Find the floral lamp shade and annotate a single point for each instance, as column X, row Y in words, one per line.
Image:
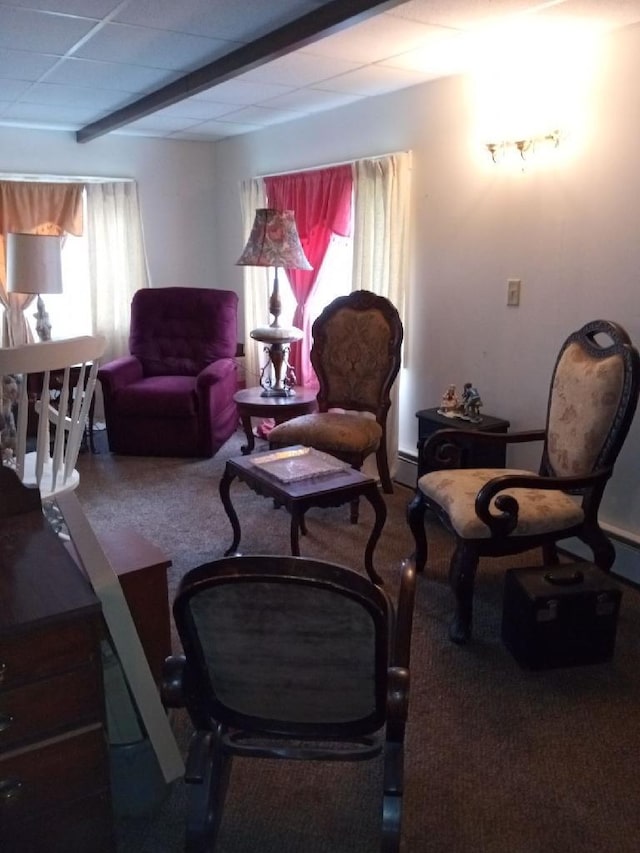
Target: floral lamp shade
column 274, row 242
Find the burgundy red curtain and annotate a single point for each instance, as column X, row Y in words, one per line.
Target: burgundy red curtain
column 321, row 202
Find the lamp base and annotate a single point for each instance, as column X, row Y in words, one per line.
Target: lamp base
column 277, row 377
column 43, row 326
column 277, row 392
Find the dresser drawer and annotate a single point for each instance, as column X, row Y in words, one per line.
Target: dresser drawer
column 55, row 772
column 47, row 651
column 39, row 710
column 83, row 826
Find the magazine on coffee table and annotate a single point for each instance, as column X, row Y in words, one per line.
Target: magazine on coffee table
column 299, row 463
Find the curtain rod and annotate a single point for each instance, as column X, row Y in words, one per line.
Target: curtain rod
column 329, row 165
column 61, row 179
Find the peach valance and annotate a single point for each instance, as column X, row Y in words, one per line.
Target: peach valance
column 45, row 207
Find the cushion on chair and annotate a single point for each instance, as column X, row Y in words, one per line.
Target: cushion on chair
column 541, row 510
column 160, row 396
column 330, row 432
column 586, row 394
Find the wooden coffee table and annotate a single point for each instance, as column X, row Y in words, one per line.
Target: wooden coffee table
column 251, row 404
column 325, row 491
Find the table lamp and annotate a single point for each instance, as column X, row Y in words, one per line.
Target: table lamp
column 34, row 266
column 274, row 242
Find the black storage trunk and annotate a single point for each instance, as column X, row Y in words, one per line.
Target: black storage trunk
column 560, row 616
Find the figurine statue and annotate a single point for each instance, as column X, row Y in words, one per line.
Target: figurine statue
column 43, row 326
column 450, row 403
column 471, row 403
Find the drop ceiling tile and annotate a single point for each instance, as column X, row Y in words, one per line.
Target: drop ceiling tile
column 310, row 100
column 440, row 57
column 54, row 125
column 374, row 39
column 40, row 32
column 372, row 80
column 225, row 128
column 462, row 14
column 85, row 8
column 52, row 112
column 238, row 92
column 196, row 109
column 98, row 99
column 109, row 75
column 300, row 69
column 128, row 130
column 237, row 21
column 157, row 122
column 262, row 116
column 599, row 14
column 195, row 136
column 25, row 66
column 153, row 48
column 13, row 89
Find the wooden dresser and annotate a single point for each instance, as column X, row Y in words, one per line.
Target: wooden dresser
column 54, row 761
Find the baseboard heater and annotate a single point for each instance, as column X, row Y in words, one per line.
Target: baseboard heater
column 626, row 566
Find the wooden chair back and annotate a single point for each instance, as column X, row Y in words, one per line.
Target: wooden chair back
column 53, row 381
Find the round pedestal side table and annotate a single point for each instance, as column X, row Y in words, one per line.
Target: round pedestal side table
column 251, row 404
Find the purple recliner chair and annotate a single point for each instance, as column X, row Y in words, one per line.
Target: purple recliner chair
column 173, row 395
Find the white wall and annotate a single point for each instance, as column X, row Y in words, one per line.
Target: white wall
column 176, row 187
column 569, row 231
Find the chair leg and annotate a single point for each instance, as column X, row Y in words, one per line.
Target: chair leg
column 355, row 510
column 207, row 778
column 462, row 573
column 604, row 553
column 383, row 468
column 392, row 796
column 415, row 518
column 550, row 554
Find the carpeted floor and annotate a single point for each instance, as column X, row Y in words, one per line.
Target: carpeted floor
column 498, row 759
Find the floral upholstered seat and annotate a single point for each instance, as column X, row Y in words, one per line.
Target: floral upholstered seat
column 593, row 398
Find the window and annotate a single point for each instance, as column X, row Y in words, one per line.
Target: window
column 334, row 280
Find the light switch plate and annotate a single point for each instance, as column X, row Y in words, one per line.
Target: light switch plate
column 513, row 291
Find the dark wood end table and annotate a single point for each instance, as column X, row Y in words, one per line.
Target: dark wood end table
column 325, row 491
column 474, row 455
column 252, row 405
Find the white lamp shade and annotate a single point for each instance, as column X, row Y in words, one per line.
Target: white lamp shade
column 33, row 263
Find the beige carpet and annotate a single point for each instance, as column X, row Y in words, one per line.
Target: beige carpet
column 499, row 759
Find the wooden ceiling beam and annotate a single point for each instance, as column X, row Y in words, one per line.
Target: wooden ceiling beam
column 330, row 18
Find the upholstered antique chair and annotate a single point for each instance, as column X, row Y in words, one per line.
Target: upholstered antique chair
column 289, row 658
column 49, row 386
column 495, row 512
column 173, row 395
column 356, row 356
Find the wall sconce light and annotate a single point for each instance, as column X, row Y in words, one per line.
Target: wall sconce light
column 525, row 147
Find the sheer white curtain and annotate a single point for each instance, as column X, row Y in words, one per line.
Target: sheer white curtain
column 381, row 249
column 117, row 260
column 257, row 280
